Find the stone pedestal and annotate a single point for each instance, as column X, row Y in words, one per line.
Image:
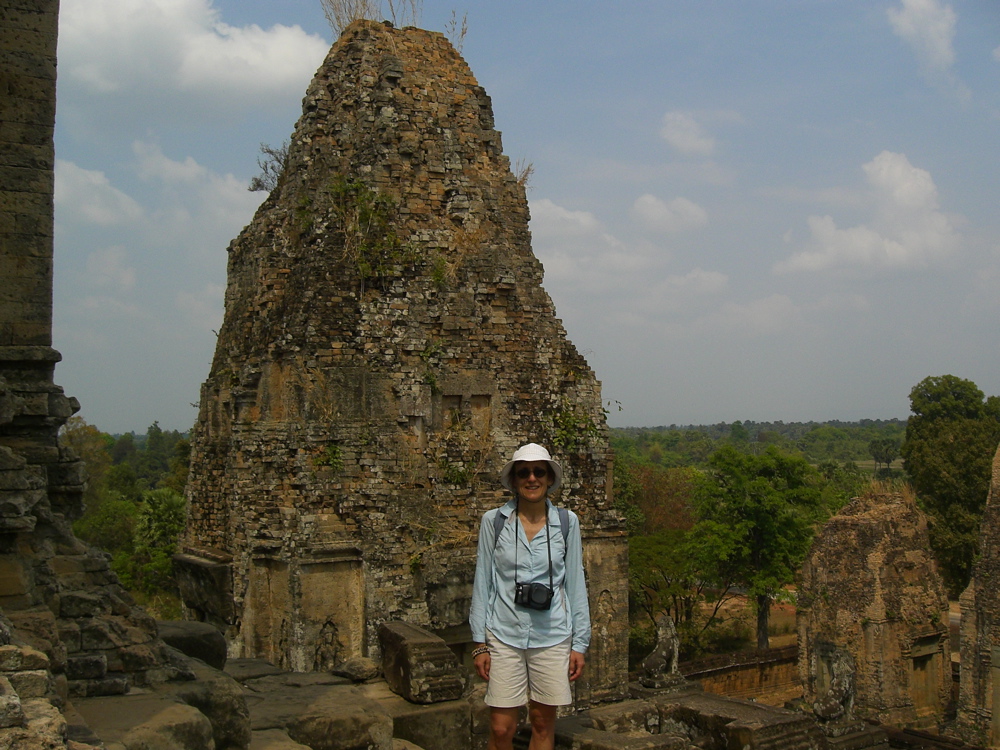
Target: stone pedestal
column 418, row 665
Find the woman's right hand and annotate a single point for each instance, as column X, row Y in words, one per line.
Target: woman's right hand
column 482, row 664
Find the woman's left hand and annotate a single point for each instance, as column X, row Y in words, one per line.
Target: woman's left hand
column 576, row 662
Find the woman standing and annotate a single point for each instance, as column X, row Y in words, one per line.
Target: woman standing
column 530, row 617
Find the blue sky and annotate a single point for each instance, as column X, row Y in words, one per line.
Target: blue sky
column 759, row 210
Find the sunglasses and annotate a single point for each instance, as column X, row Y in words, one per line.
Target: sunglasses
column 538, row 472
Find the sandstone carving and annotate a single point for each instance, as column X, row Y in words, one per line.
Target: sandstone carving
column 386, row 344
column 418, row 665
column 873, row 611
column 661, row 668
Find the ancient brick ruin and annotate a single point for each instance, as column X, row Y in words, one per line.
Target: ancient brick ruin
column 67, row 628
column 873, row 614
column 979, row 699
column 387, row 344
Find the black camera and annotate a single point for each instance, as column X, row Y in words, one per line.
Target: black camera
column 533, row 595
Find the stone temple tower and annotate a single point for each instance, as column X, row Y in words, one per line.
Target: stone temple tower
column 979, row 695
column 387, row 344
column 873, row 614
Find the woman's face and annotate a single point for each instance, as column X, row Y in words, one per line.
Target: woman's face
column 532, row 480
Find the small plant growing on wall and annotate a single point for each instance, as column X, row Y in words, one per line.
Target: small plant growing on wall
column 331, row 458
column 572, row 429
column 455, row 473
column 361, row 219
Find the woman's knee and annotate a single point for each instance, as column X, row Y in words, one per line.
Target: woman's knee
column 503, row 723
column 542, row 718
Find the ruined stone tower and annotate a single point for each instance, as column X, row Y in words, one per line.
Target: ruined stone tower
column 873, row 613
column 979, row 699
column 387, row 344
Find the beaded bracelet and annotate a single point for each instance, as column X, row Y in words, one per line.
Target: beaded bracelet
column 480, row 651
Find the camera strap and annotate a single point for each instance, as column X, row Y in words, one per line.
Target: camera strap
column 548, row 545
column 500, row 519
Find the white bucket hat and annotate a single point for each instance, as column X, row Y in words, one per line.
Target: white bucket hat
column 531, row 452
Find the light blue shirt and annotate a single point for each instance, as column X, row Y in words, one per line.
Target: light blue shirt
column 493, row 606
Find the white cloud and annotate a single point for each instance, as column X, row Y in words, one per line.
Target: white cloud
column 153, row 164
column 194, row 203
column 907, row 230
column 587, row 267
column 577, row 251
column 683, row 132
column 112, row 46
column 88, row 196
column 762, row 317
column 203, row 308
column 677, row 292
column 676, row 216
column 108, row 267
column 929, row 27
column 551, row 220
column 104, row 307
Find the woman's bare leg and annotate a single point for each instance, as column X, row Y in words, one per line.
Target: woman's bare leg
column 503, row 725
column 543, row 726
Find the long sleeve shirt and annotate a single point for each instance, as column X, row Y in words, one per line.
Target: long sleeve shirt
column 493, row 606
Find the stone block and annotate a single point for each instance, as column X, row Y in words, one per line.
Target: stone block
column 98, row 688
column 11, row 713
column 218, row 696
column 442, row 726
column 87, row 667
column 138, row 658
column 358, row 669
column 37, row 628
column 15, row 658
column 15, row 579
column 31, row 683
column 274, row 739
column 44, row 718
column 323, row 717
column 69, row 635
column 196, row 639
column 74, row 604
column 177, row 727
column 626, row 716
column 418, row 665
column 206, row 585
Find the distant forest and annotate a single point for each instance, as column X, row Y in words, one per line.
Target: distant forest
column 818, row 442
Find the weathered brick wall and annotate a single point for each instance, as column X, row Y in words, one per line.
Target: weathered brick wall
column 978, row 705
column 66, row 625
column 354, row 421
column 870, row 588
column 27, row 158
column 768, row 676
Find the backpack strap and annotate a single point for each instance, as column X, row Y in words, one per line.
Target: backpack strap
column 564, row 525
column 500, row 519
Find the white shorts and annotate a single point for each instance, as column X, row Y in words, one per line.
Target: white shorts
column 520, row 674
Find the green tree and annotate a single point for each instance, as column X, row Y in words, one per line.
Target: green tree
column 180, row 464
column 159, row 523
column 951, row 438
column 756, row 516
column 109, row 524
column 124, row 449
column 626, row 491
column 883, row 451
column 92, row 446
